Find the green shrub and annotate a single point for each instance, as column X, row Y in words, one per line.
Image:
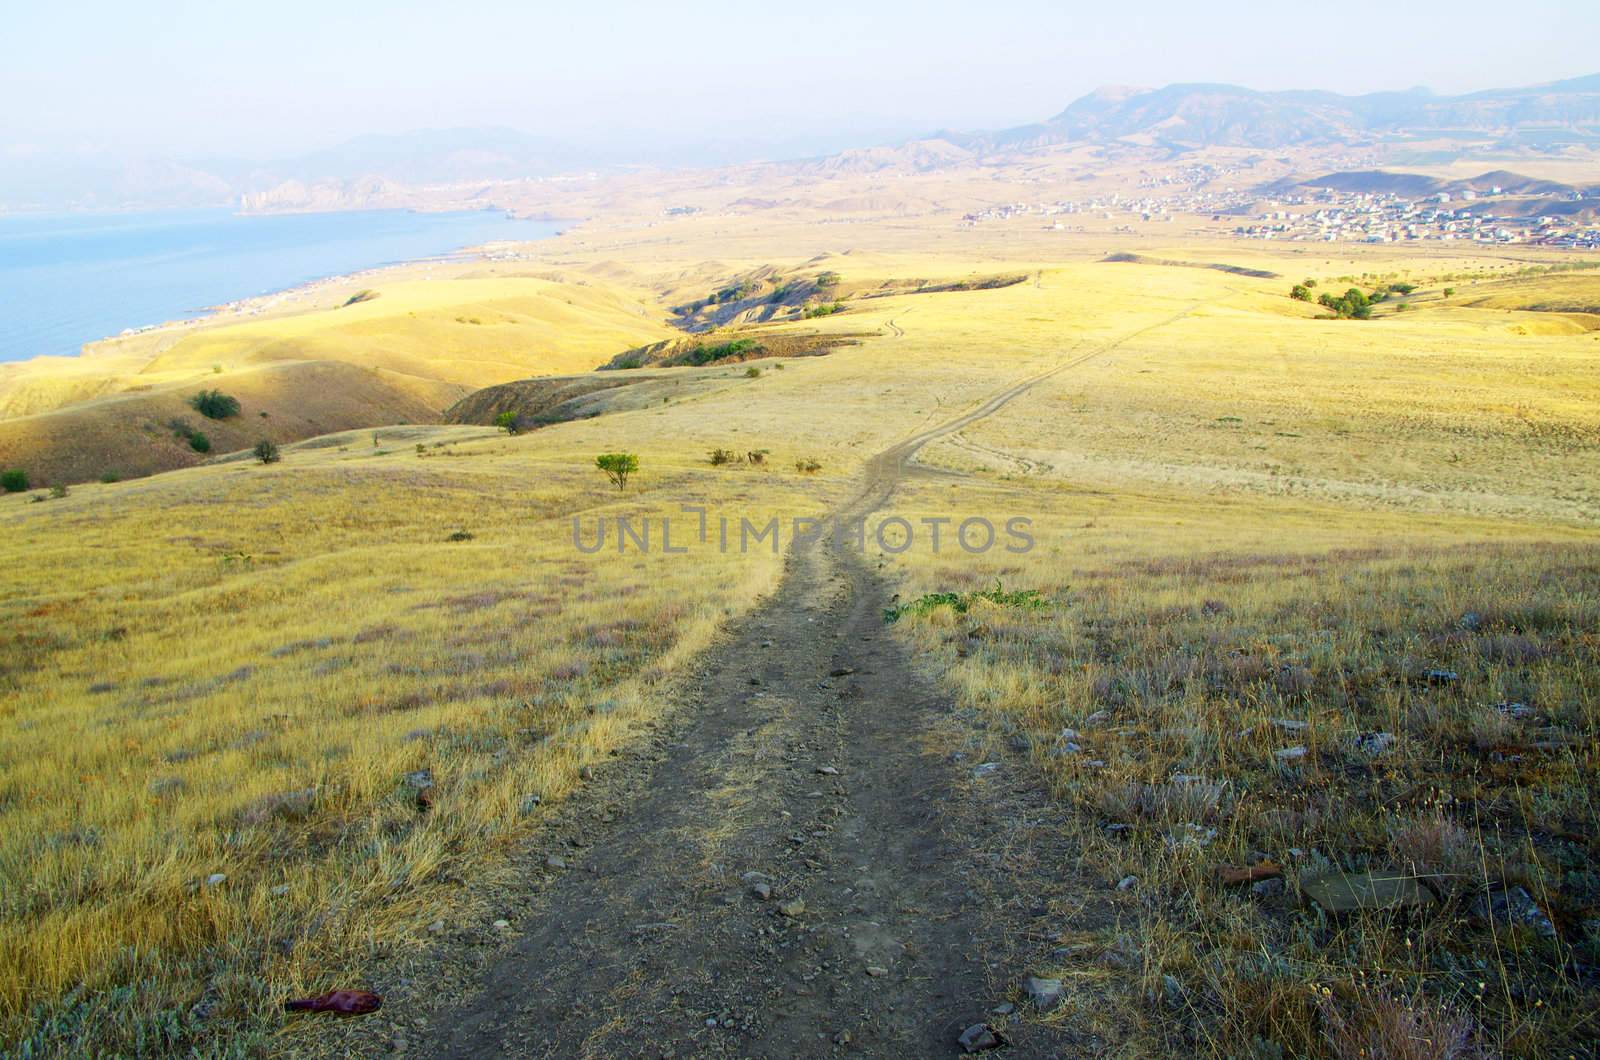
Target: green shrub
column 214, row 404
column 752, row 372
column 706, row 354
column 59, row 490
column 14, row 481
column 1300, row 293
column 617, row 466
column 110, row 477
column 807, row 466
column 199, row 442
column 828, row 279
column 507, row 421
column 720, row 457
column 267, row 451
column 1026, row 599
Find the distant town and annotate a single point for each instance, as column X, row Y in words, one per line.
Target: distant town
column 1321, row 214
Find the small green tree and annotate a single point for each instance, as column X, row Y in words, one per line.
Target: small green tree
column 507, row 421
column 617, row 466
column 199, row 442
column 1449, row 292
column 14, row 481
column 214, row 404
column 1300, row 293
column 267, row 451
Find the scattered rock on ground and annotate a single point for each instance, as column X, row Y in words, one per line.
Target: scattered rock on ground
column 1339, row 892
column 1512, row 906
column 555, row 861
column 1045, row 993
column 980, row 1037
column 1127, row 883
column 792, row 908
column 1233, row 876
column 1290, row 754
column 987, row 769
column 1269, row 888
column 1374, row 743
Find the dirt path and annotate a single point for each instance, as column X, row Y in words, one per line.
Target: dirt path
column 813, row 765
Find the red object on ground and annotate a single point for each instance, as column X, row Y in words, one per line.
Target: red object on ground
column 344, row 1002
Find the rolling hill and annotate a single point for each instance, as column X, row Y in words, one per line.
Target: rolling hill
column 401, row 352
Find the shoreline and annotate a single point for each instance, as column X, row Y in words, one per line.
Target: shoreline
column 260, row 304
column 303, row 296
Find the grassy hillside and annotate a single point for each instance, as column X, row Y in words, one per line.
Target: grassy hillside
column 138, row 433
column 1245, row 514
column 401, row 353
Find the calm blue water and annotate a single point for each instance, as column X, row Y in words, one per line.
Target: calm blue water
column 68, row 279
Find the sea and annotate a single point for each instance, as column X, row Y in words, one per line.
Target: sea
column 68, row 279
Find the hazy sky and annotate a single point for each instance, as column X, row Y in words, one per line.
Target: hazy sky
column 280, row 76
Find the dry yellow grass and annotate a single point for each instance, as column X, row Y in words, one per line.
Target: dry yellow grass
column 1258, row 531
column 404, row 354
column 229, row 669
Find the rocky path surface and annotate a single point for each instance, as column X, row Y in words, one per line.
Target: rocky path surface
column 797, row 864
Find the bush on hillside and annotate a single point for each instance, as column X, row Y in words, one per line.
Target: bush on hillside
column 1352, row 305
column 267, row 451
column 14, row 481
column 507, row 421
column 214, row 404
column 199, row 442
column 617, row 466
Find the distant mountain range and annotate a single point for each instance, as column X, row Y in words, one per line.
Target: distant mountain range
column 1206, row 115
column 1178, row 117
